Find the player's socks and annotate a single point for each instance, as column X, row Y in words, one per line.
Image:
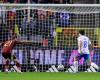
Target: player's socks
column 16, row 68
column 76, row 65
column 6, row 70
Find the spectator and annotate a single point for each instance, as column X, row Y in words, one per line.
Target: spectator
column 0, row 20
column 4, row 31
column 35, row 1
column 11, row 17
column 23, row 1
column 17, row 1
column 83, row 1
column 63, row 19
column 10, row 1
column 58, row 1
column 1, row 1
column 2, row 13
column 49, row 1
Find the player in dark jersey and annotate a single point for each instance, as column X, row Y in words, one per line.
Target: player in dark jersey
column 7, row 50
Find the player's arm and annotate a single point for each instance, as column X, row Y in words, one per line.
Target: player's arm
column 90, row 46
column 25, row 42
column 79, row 46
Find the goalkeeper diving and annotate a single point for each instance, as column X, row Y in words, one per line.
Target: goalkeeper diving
column 7, row 48
column 83, row 50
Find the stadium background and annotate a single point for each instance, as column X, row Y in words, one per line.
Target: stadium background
column 53, row 34
column 53, row 1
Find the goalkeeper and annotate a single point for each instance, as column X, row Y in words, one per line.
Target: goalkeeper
column 7, row 50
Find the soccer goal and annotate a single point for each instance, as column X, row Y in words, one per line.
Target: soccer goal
column 53, row 28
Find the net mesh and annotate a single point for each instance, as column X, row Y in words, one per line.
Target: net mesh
column 53, row 30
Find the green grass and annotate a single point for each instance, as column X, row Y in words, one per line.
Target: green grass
column 49, row 76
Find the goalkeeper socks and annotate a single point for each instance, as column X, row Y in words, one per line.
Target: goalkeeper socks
column 76, row 65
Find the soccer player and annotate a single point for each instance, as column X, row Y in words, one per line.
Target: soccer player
column 75, row 53
column 83, row 49
column 7, row 50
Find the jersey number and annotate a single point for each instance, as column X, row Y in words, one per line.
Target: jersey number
column 85, row 44
column 8, row 43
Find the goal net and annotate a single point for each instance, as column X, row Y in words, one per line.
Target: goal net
column 53, row 30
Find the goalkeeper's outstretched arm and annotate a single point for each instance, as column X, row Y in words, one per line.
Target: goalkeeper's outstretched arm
column 25, row 42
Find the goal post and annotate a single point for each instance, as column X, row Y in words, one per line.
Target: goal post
column 53, row 28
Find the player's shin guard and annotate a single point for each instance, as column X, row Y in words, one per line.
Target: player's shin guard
column 76, row 65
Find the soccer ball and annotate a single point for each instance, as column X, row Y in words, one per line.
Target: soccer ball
column 12, row 70
column 60, row 67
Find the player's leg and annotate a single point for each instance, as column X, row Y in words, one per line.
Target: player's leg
column 6, row 61
column 6, row 65
column 17, row 67
column 76, row 63
column 87, row 59
column 90, row 63
column 76, row 59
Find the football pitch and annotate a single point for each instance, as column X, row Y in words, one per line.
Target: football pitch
column 49, row 76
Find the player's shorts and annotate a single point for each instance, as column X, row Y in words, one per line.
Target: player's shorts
column 85, row 56
column 8, row 56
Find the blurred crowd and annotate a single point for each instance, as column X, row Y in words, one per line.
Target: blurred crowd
column 39, row 26
column 52, row 1
column 36, row 1
column 44, row 27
